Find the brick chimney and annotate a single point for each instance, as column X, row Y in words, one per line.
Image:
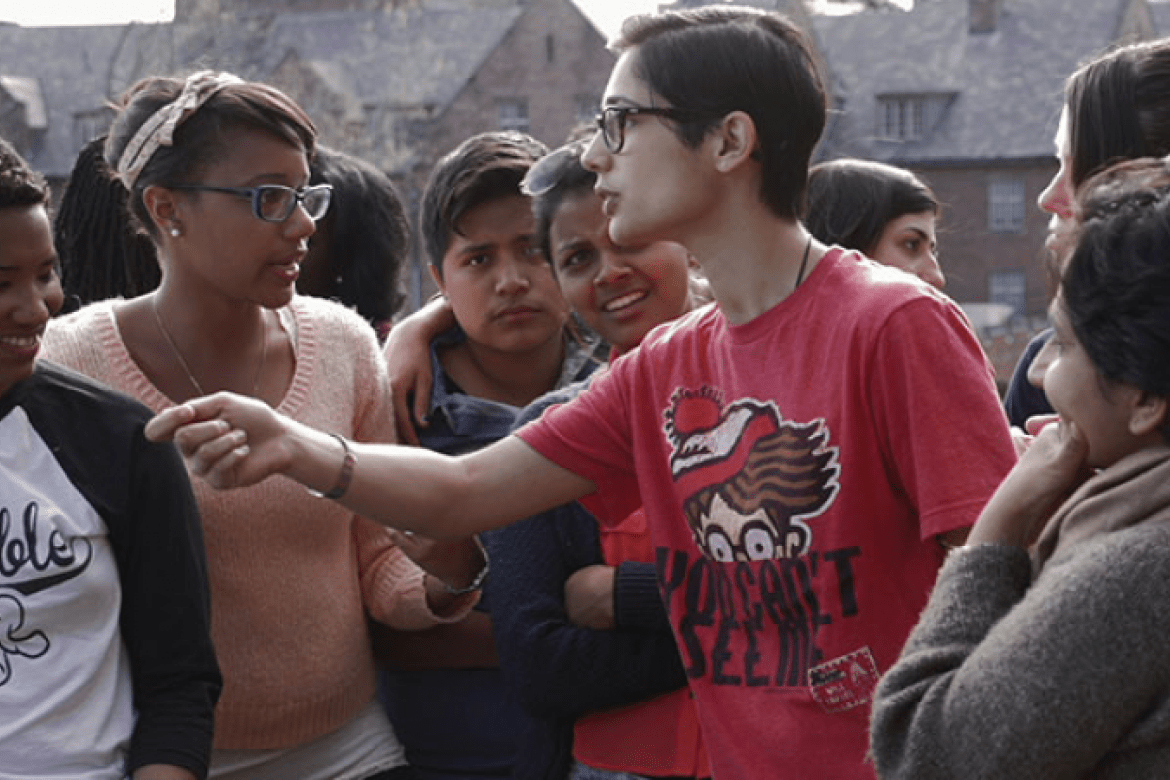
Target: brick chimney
column 983, row 15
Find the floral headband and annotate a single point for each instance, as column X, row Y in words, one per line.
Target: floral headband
column 159, row 129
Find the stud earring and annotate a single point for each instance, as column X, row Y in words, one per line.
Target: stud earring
column 175, row 231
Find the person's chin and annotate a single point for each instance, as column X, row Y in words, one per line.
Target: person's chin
column 628, row 232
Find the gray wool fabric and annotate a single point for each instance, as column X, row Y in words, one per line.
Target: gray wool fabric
column 1066, row 677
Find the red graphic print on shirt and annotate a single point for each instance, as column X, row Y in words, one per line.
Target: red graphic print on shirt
column 749, row 479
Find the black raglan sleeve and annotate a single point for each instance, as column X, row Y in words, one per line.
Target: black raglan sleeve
column 166, row 615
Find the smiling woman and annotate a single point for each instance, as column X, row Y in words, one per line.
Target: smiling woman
column 104, row 581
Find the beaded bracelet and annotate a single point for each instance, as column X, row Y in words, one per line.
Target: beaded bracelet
column 348, row 462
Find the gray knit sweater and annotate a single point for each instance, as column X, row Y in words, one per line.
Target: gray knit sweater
column 1067, row 677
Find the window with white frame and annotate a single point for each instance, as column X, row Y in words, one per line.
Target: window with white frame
column 902, row 117
column 1009, row 287
column 1007, row 206
column 513, row 115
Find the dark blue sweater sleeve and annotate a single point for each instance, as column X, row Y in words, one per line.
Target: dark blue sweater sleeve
column 637, row 602
column 559, row 669
column 1022, row 400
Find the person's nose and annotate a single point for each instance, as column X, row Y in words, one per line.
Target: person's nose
column 1040, row 364
column 512, row 277
column 32, row 306
column 1056, row 198
column 931, row 272
column 299, row 225
column 596, row 156
column 611, row 269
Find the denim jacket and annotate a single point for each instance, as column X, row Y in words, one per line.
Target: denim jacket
column 456, row 723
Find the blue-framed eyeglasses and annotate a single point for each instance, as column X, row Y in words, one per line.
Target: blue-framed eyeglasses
column 611, row 121
column 274, row 202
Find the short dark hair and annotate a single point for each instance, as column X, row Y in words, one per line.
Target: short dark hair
column 1119, row 108
column 368, row 234
column 851, row 201
column 481, row 169
column 200, row 140
column 718, row 59
column 20, row 185
column 1116, row 285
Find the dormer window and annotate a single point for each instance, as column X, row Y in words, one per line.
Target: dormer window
column 902, row 118
column 909, row 117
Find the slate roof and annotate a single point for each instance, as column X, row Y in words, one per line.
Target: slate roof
column 405, row 57
column 419, row 56
column 75, row 69
column 1003, row 90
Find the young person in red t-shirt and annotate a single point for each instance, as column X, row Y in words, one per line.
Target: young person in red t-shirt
column 805, row 450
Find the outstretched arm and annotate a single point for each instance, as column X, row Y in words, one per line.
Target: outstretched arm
column 234, row 441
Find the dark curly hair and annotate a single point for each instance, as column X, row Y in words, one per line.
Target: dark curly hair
column 1115, row 288
column 20, row 185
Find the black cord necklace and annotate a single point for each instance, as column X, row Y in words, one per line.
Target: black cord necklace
column 803, row 263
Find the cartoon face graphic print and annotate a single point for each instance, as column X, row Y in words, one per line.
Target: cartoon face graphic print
column 749, row 478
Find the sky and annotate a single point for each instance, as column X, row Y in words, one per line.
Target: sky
column 606, row 14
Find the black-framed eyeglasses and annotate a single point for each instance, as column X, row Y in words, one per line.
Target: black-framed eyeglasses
column 611, row 121
column 275, row 202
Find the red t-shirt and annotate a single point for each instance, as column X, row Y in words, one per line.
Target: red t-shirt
column 793, row 471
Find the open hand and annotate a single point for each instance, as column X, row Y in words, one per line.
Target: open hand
column 230, row 440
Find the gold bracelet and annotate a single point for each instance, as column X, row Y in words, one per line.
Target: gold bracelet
column 348, row 462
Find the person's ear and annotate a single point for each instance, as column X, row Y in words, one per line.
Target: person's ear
column 438, row 277
column 163, row 208
column 735, row 141
column 1147, row 413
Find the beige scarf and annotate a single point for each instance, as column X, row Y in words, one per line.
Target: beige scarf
column 159, row 129
column 1134, row 490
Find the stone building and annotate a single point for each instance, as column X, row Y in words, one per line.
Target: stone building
column 967, row 94
column 398, row 82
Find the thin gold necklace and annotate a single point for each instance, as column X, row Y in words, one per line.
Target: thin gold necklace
column 187, row 369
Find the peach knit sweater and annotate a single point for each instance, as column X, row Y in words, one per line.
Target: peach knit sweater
column 292, row 576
